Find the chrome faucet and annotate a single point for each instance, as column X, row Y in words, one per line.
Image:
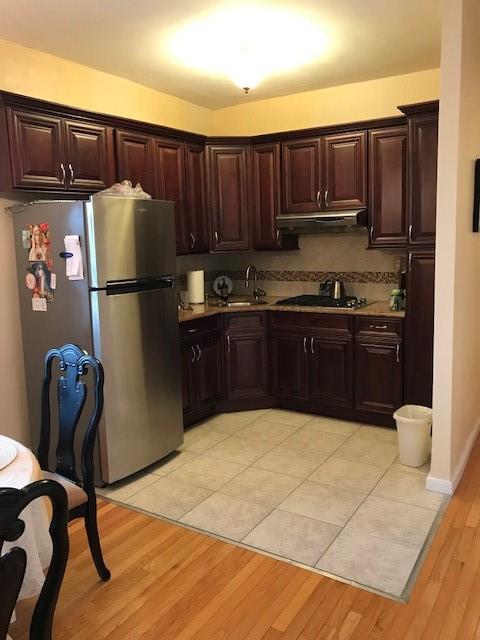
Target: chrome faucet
column 257, row 292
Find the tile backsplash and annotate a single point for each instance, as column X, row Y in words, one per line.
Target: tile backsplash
column 369, row 273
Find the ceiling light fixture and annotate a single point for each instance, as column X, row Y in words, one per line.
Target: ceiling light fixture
column 248, row 43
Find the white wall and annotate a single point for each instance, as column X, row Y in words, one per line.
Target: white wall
column 456, row 398
column 14, row 420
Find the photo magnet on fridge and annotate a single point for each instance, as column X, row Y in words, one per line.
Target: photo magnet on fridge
column 38, row 278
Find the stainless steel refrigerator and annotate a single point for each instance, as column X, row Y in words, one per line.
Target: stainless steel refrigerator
column 123, row 311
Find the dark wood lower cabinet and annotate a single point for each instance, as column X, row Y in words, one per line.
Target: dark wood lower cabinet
column 348, row 367
column 378, row 376
column 331, row 370
column 202, row 371
column 419, row 328
column 188, row 356
column 288, row 366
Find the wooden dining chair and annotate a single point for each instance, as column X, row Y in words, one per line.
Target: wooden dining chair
column 13, row 564
column 71, row 395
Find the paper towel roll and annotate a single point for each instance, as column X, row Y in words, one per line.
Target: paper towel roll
column 195, row 286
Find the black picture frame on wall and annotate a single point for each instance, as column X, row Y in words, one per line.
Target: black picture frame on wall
column 476, row 198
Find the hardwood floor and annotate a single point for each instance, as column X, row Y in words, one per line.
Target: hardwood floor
column 172, row 583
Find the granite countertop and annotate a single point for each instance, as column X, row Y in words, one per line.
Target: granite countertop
column 378, row 308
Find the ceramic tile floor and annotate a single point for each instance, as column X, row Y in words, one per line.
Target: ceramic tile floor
column 324, row 493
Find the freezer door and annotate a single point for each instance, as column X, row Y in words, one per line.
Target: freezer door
column 129, row 238
column 136, row 338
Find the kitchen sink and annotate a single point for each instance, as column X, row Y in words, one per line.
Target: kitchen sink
column 245, row 303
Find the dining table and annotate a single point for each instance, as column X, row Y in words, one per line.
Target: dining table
column 18, row 468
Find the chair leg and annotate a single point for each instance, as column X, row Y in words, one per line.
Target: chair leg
column 94, row 541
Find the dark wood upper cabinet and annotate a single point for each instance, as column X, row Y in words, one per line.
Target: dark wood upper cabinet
column 266, row 195
column 196, row 198
column 37, row 150
column 228, row 169
column 170, row 183
column 419, row 328
column 90, row 159
column 423, row 137
column 331, row 370
column 388, row 150
column 301, row 175
column 135, row 158
column 345, row 171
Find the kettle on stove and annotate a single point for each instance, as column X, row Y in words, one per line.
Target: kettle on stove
column 334, row 289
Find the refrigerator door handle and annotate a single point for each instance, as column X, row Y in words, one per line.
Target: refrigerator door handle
column 135, row 286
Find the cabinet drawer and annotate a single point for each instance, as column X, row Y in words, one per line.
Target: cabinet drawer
column 305, row 321
column 190, row 328
column 245, row 322
column 372, row 326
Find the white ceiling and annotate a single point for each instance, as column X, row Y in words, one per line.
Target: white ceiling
column 370, row 39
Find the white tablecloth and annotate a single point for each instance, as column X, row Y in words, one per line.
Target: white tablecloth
column 35, row 539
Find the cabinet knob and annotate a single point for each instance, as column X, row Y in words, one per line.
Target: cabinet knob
column 410, row 232
column 318, row 200
column 194, row 355
column 72, row 177
column 312, row 345
column 193, row 240
column 305, row 345
column 64, row 175
column 398, row 353
column 199, row 353
column 216, row 237
column 228, row 344
column 327, row 203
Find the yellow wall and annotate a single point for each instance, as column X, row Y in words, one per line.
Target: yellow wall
column 346, row 103
column 41, row 75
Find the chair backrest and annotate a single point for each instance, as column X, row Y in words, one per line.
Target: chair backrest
column 13, row 564
column 71, row 395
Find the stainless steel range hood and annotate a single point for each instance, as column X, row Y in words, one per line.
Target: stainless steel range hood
column 323, row 222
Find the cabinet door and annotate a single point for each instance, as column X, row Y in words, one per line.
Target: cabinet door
column 419, row 328
column 266, row 195
column 229, row 205
column 188, row 357
column 331, row 370
column 245, row 366
column 170, row 181
column 288, row 358
column 37, row 150
column 345, row 170
column 423, row 136
column 378, row 376
column 197, row 218
column 90, row 159
column 135, row 154
column 208, row 370
column 301, row 175
column 388, row 150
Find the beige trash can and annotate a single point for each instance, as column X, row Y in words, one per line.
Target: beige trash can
column 414, row 423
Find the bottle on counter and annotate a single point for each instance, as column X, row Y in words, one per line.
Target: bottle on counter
column 395, row 300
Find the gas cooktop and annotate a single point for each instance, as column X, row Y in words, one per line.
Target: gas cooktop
column 348, row 302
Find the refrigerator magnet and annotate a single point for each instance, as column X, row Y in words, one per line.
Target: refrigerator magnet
column 39, row 304
column 26, row 239
column 30, row 281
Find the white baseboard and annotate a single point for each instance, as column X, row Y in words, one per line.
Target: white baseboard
column 439, row 485
column 448, row 486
